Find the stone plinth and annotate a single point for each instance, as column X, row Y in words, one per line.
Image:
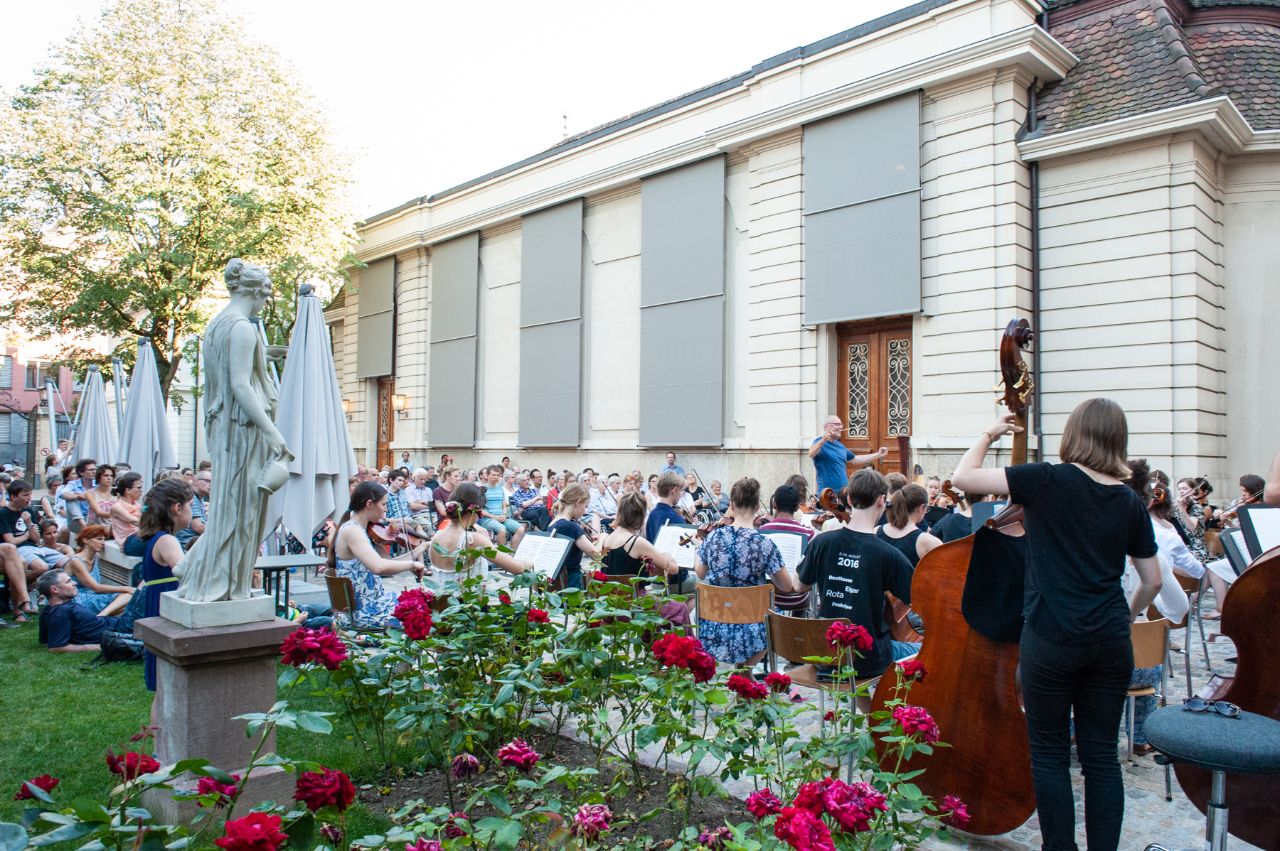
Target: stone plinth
column 204, row 678
column 257, row 609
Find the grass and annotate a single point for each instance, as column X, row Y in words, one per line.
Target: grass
column 60, row 717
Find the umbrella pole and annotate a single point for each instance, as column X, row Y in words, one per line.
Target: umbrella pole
column 117, row 368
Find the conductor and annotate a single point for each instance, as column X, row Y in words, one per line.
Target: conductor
column 831, row 458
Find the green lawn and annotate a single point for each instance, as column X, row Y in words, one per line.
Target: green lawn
column 61, row 717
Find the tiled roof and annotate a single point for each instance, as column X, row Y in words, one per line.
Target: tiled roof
column 1134, row 58
column 1243, row 60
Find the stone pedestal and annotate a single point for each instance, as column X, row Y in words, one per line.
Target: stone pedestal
column 204, row 678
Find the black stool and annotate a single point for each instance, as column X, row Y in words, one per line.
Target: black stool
column 1249, row 744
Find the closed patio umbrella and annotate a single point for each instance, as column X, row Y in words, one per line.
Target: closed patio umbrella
column 145, row 443
column 95, row 435
column 309, row 416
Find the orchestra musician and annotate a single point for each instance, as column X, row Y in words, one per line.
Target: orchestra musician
column 570, row 506
column 1076, row 655
column 831, row 458
column 449, row 565
column 903, row 518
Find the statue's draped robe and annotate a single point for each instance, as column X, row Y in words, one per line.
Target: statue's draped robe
column 220, row 564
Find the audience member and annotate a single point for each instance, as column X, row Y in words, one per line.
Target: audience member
column 127, row 509
column 99, row 597
column 65, row 625
column 100, row 497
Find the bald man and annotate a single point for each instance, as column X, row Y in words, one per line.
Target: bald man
column 832, row 459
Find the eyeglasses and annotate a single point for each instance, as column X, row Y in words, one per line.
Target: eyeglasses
column 1222, row 707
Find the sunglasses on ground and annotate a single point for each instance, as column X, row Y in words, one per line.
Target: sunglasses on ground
column 1222, row 707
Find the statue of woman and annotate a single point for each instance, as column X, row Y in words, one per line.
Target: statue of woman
column 244, row 444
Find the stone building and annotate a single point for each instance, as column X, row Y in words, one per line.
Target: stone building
column 848, row 226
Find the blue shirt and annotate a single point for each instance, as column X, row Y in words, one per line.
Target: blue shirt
column 494, row 495
column 672, row 468
column 831, row 465
column 397, row 505
column 661, row 515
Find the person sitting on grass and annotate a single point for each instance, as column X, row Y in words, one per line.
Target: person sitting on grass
column 98, row 597
column 65, row 625
column 20, row 526
column 20, row 580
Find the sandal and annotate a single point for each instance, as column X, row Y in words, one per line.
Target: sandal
column 1215, row 615
column 1142, row 750
column 28, row 608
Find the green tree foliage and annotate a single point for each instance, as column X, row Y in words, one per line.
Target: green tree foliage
column 154, row 147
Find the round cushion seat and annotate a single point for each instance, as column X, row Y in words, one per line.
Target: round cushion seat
column 1249, row 744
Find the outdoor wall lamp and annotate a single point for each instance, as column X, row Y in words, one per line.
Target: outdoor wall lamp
column 400, row 403
column 346, row 408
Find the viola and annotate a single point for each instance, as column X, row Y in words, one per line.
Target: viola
column 971, row 686
column 385, row 535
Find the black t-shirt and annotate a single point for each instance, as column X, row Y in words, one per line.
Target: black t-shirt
column 72, row 623
column 17, row 523
column 1079, row 532
column 953, row 527
column 852, row 571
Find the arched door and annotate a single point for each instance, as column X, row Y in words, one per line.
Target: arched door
column 873, row 386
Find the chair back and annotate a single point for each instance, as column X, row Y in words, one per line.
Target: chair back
column 1149, row 642
column 733, row 605
column 795, row 638
column 1188, row 584
column 342, row 594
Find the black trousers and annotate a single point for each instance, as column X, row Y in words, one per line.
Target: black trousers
column 537, row 515
column 1087, row 682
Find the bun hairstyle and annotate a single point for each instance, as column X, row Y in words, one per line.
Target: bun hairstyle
column 745, row 494
column 902, row 502
column 631, row 511
column 466, row 498
column 572, row 494
column 243, row 277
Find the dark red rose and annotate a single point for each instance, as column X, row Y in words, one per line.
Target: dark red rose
column 600, row 576
column 326, row 788
column 852, row 805
column 537, row 616
column 224, row 791
column 675, row 650
column 916, row 720
column 809, row 797
column 131, row 765
column 703, row 666
column 841, row 634
column 332, row 834
column 716, row 838
column 747, row 688
column 423, row 844
column 413, row 610
column 254, row 832
column 45, row 782
column 830, row 716
column 803, row 830
column 763, row 803
column 464, row 765
column 955, row 812
column 912, row 669
column 452, row 830
column 321, row 646
column 591, row 820
column 777, row 682
column 504, row 598
column 518, row 754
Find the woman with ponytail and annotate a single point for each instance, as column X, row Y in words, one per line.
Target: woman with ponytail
column 354, row 557
column 901, row 529
column 449, row 566
column 569, row 507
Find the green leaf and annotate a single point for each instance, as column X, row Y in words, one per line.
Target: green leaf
column 90, row 811
column 498, row 801
column 314, row 722
column 302, row 832
column 503, row 834
column 12, row 836
column 504, row 695
column 67, row 832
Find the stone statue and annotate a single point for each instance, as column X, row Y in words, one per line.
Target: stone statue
column 243, row 442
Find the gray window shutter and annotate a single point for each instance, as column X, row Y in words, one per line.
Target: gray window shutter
column 375, row 319
column 455, row 301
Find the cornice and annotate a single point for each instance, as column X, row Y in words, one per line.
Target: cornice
column 1215, row 118
column 1029, row 47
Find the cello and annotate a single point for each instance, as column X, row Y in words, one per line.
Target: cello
column 971, row 683
column 1248, row 617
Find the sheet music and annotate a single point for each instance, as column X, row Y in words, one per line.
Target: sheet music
column 1261, row 523
column 668, row 542
column 545, row 552
column 790, row 545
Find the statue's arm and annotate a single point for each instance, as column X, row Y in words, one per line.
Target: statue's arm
column 244, row 343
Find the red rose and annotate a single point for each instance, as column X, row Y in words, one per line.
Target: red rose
column 254, row 832
column 916, row 720
column 321, row 646
column 676, row 650
column 852, row 805
column 809, row 797
column 518, row 754
column 716, row 838
column 464, row 765
column 777, row 682
column 413, row 610
column 703, row 667
column 504, row 598
column 326, row 788
column 452, row 830
column 591, row 820
column 537, row 616
column 912, row 669
column 747, row 688
column 44, row 782
column 830, row 716
column 954, row 812
column 224, row 791
column 763, row 803
column 600, row 576
column 803, row 830
column 423, row 844
column 131, row 765
column 841, row 634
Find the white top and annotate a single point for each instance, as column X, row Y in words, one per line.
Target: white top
column 1171, row 602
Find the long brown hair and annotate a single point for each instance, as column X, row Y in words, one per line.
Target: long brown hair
column 1097, row 436
column 158, row 505
column 904, row 501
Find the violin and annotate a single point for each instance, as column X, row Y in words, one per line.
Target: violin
column 384, row 536
column 972, row 687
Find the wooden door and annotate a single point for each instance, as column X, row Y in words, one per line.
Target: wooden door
column 386, row 421
column 873, row 387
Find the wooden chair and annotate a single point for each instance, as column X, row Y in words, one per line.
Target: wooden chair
column 732, row 605
column 795, row 638
column 342, row 599
column 1150, row 647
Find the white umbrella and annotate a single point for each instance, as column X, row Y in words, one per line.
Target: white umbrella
column 95, row 436
column 309, row 416
column 145, row 444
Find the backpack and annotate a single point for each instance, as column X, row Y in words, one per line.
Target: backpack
column 119, row 647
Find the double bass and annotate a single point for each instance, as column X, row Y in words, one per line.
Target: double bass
column 1248, row 617
column 970, row 687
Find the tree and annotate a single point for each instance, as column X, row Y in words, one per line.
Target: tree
column 156, row 146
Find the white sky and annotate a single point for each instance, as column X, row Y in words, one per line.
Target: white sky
column 425, row 95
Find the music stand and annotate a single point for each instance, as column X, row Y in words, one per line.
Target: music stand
column 548, row 552
column 1261, row 527
column 1236, row 550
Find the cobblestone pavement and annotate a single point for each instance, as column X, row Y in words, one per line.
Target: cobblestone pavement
column 1148, row 816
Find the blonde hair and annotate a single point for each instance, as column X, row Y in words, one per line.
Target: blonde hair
column 572, row 495
column 1097, row 436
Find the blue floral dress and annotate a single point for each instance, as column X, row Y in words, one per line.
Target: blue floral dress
column 736, row 558
column 374, row 603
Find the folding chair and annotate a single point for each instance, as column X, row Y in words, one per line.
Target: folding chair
column 795, row 638
column 732, row 605
column 1150, row 648
column 342, row 599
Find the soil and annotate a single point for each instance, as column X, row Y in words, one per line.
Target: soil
column 705, row 812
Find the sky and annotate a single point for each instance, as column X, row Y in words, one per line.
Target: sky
column 425, row 95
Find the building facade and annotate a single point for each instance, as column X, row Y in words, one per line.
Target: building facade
column 847, row 227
